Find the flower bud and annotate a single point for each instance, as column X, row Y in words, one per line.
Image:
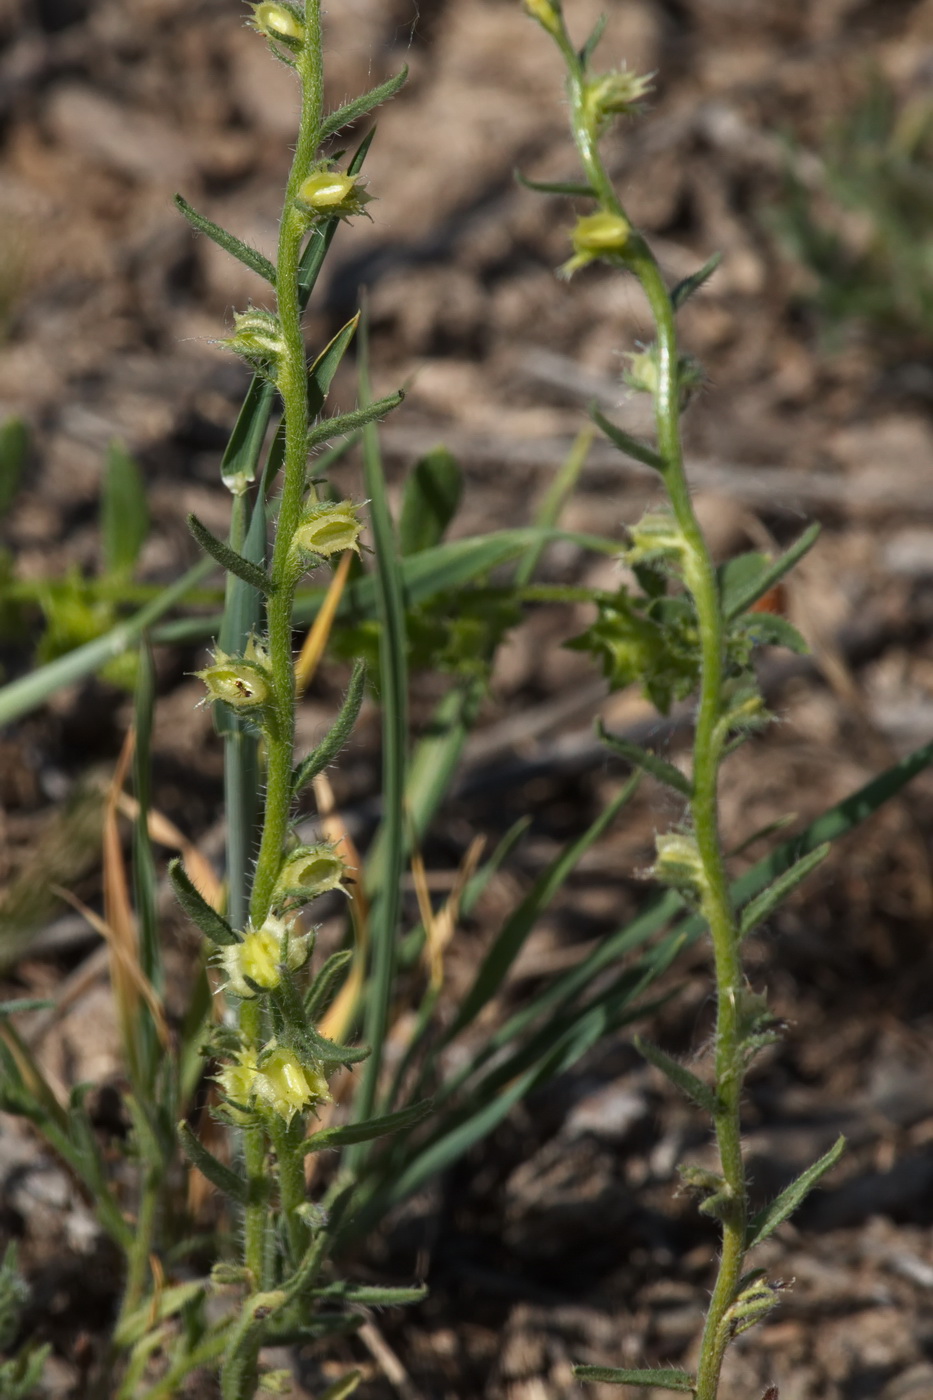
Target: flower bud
column 259, row 959
column 257, row 338
column 242, row 682
column 308, row 872
column 329, row 193
column 678, row 865
column 547, row 13
column 326, row 528
column 279, row 21
column 612, row 95
column 597, row 236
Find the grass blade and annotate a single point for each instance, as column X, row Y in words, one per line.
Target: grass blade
column 124, row 512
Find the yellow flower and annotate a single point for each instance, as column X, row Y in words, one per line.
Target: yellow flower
column 274, row 1080
column 262, row 954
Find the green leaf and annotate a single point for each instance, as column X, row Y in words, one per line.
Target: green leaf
column 685, row 289
column 229, row 559
column 770, row 630
column 430, row 501
column 321, row 374
column 586, row 52
column 760, row 908
column 505, row 949
column 228, row 1182
column 682, row 1078
column 767, row 1220
column 124, row 512
column 370, row 1295
column 568, row 187
column 662, row 1378
column 21, row 1004
column 213, row 925
column 337, row 736
column 359, row 106
column 14, row 449
column 368, row 1131
column 632, row 446
column 251, row 257
column 319, row 993
column 649, row 763
column 746, row 579
column 356, row 418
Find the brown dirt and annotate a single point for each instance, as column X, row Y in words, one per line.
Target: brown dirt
column 562, row 1239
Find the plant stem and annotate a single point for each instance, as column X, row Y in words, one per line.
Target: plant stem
column 254, row 1162
column 293, row 388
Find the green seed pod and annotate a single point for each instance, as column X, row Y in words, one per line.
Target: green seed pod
column 257, row 339
column 308, row 872
column 678, row 865
column 279, row 21
column 597, row 236
column 326, row 528
column 547, row 13
column 274, row 1080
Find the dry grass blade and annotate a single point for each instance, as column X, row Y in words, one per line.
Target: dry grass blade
column 439, row 928
column 314, row 643
column 166, row 833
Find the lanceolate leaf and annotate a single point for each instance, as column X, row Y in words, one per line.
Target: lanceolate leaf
column 632, row 446
column 331, row 745
column 227, row 1181
column 764, row 904
column 640, row 758
column 321, row 374
column 228, row 558
column 586, row 52
column 737, row 599
column 213, row 925
column 319, row 993
column 357, row 418
column 252, row 258
column 784, row 1205
column 371, row 1129
column 124, row 512
column 566, row 187
column 14, row 449
column 352, row 111
column 369, row 1295
column 684, row 290
column 429, row 501
column 682, row 1078
column 662, row 1379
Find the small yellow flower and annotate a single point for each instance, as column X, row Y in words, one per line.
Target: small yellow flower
column 597, row 236
column 326, row 528
column 328, row 192
column 275, row 1080
column 262, row 954
column 278, row 22
column 613, row 94
column 308, row 872
column 242, row 682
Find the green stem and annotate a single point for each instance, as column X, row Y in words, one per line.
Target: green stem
column 700, row 578
column 293, row 388
column 254, row 1162
column 291, row 1177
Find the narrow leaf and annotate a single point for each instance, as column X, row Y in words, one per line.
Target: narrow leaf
column 124, row 512
column 370, row 1295
column 663, row 1379
column 767, row 1220
column 21, row 1004
column 251, row 257
column 319, row 993
column 685, row 289
column 430, row 501
column 241, row 456
column 321, row 373
column 228, row 1182
column 213, row 925
column 368, row 1131
column 357, row 418
column 632, row 446
column 337, row 736
column 586, row 52
column 682, row 1078
column 359, row 106
column 649, row 762
column 229, row 559
column 14, row 449
column 568, row 187
column 741, row 598
column 760, row 908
